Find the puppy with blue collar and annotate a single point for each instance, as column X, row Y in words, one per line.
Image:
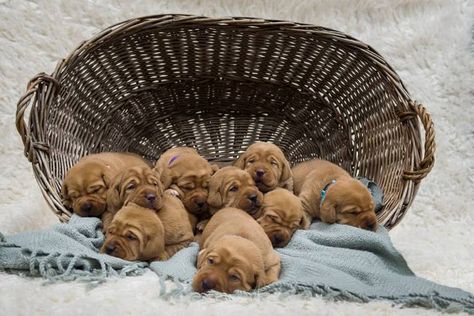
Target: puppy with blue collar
column 330, row 194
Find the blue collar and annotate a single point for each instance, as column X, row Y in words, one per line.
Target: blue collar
column 325, row 190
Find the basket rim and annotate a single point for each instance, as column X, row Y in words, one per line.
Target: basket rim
column 43, row 88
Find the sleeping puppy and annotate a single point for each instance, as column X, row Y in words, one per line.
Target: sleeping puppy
column 136, row 233
column 329, row 193
column 235, row 254
column 267, row 165
column 233, row 187
column 141, row 185
column 282, row 215
column 85, row 186
column 184, row 171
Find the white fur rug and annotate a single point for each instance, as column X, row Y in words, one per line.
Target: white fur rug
column 429, row 43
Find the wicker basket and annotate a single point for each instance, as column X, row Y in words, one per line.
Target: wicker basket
column 219, row 84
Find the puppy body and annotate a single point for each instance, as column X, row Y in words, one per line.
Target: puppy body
column 141, row 185
column 233, row 187
column 85, row 186
column 347, row 201
column 267, row 165
column 184, row 171
column 136, row 233
column 235, row 254
column 282, row 214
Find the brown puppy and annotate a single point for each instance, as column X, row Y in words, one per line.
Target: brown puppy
column 233, row 187
column 136, row 233
column 329, row 193
column 267, row 165
column 282, row 215
column 235, row 254
column 85, row 185
column 140, row 185
column 183, row 170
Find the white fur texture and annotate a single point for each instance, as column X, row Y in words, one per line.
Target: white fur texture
column 428, row 42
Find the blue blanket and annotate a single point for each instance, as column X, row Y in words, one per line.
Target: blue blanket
column 336, row 261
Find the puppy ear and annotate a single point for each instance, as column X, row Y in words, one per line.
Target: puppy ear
column 154, row 243
column 260, row 279
column 65, row 197
column 214, row 198
column 327, row 213
column 286, row 178
column 166, row 177
column 201, row 257
column 214, row 168
column 240, row 162
column 113, row 194
column 305, row 221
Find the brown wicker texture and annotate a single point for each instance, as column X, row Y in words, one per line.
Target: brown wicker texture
column 219, row 84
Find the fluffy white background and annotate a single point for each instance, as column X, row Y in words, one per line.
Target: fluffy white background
column 429, row 43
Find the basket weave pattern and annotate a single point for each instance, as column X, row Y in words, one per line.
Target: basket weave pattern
column 219, row 85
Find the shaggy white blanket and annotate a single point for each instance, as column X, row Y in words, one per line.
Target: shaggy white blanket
column 430, row 45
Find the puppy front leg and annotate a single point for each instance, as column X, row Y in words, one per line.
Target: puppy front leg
column 273, row 271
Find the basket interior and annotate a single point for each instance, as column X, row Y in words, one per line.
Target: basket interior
column 219, row 89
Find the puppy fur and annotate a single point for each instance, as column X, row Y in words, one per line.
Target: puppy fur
column 85, row 186
column 141, row 185
column 233, row 187
column 183, row 170
column 282, row 214
column 136, row 233
column 347, row 201
column 267, row 165
column 235, row 254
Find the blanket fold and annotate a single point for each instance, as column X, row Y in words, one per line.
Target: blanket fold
column 339, row 262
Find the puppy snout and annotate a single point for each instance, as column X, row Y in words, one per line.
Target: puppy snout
column 86, row 207
column 208, row 284
column 151, row 197
column 370, row 224
column 278, row 240
column 259, row 173
column 109, row 249
column 253, row 198
column 200, row 202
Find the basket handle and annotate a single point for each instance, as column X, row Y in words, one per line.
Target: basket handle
column 427, row 163
column 39, row 86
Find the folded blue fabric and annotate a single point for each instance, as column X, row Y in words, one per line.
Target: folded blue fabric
column 339, row 262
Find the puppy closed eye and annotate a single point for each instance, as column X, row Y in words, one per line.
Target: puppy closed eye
column 250, row 161
column 274, row 163
column 131, row 237
column 233, row 188
column 131, row 186
column 234, row 278
column 95, row 189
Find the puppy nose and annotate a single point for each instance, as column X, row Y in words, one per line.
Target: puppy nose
column 277, row 239
column 208, row 284
column 260, row 173
column 253, row 198
column 110, row 249
column 150, row 197
column 370, row 225
column 86, row 207
column 200, row 204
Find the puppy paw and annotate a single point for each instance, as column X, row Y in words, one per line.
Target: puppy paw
column 172, row 192
column 201, row 225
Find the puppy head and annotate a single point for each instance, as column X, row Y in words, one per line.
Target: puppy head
column 136, row 233
column 233, row 263
column 140, row 185
column 233, row 187
column 84, row 189
column 267, row 165
column 349, row 202
column 189, row 175
column 282, row 215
